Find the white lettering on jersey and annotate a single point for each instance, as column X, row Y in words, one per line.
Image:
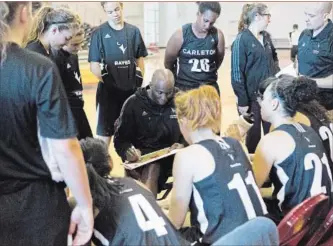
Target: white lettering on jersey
column 199, row 52
column 122, row 63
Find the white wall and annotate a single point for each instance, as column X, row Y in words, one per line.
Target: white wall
column 93, row 13
column 284, row 15
column 172, row 15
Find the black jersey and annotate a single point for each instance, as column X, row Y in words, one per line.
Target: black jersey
column 120, row 49
column 325, row 131
column 229, row 196
column 134, row 218
column 197, row 59
column 33, row 105
column 305, row 172
column 38, row 47
column 68, row 65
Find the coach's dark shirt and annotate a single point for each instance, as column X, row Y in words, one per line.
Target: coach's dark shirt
column 315, row 59
column 315, row 54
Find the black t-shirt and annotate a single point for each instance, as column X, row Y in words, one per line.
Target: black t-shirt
column 68, row 65
column 134, row 218
column 197, row 58
column 38, row 47
column 120, row 49
column 33, row 102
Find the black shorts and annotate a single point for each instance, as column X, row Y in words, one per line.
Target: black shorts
column 82, row 123
column 37, row 214
column 193, row 235
column 186, row 88
column 109, row 104
column 293, row 52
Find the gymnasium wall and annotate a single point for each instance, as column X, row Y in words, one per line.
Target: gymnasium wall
column 174, row 14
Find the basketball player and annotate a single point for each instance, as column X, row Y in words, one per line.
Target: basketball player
column 213, row 176
column 311, row 113
column 292, row 155
column 67, row 61
column 39, row 151
column 119, row 47
column 294, row 36
column 315, row 51
column 253, row 59
column 52, row 28
column 196, row 51
column 125, row 212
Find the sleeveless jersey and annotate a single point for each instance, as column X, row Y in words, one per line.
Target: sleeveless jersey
column 134, row 218
column 305, row 172
column 229, row 196
column 196, row 64
column 325, row 131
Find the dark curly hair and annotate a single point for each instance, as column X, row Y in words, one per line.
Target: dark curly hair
column 295, row 94
column 97, row 159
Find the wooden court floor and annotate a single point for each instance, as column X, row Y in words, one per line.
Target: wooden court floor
column 229, row 113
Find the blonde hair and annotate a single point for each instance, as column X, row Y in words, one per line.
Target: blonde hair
column 7, row 15
column 201, row 107
column 47, row 16
column 249, row 11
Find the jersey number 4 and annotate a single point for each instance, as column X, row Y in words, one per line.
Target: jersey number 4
column 238, row 184
column 199, row 66
column 142, row 210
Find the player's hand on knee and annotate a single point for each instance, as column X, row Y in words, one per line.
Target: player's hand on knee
column 176, row 146
column 82, row 224
column 133, row 154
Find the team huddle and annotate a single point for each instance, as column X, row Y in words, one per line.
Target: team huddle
column 48, row 148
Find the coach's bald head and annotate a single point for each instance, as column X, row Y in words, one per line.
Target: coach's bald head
column 317, row 14
column 162, row 86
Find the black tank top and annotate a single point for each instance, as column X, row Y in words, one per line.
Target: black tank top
column 134, row 218
column 196, row 64
column 325, row 131
column 229, row 196
column 303, row 174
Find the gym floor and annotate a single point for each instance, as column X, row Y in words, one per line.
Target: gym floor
column 153, row 62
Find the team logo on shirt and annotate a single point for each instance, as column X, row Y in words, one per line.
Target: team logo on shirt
column 121, row 47
column 107, row 36
column 77, row 77
column 68, row 66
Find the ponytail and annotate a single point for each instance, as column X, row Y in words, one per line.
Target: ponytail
column 47, row 16
column 39, row 23
column 7, row 14
column 249, row 12
column 243, row 20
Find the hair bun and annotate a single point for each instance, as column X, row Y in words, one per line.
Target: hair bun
column 305, row 89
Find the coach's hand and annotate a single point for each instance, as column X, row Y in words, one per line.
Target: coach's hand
column 82, row 224
column 176, row 146
column 133, row 154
